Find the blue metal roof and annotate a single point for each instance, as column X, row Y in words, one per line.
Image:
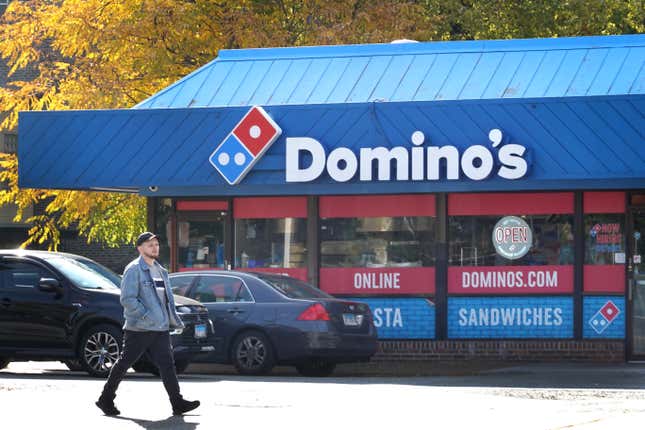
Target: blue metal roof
column 576, row 104
column 432, row 71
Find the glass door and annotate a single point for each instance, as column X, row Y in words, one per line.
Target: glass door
column 201, row 236
column 636, row 282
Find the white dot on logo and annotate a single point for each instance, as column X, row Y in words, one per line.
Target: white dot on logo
column 223, row 159
column 240, row 158
column 595, row 322
column 603, row 322
column 418, row 138
column 610, row 311
column 255, row 132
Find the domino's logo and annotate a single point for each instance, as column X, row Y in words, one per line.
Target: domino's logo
column 245, row 145
column 604, row 317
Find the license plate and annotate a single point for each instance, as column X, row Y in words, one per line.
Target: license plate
column 200, row 330
column 352, row 319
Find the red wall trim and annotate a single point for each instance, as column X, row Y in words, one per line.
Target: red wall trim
column 202, row 205
column 597, row 202
column 510, row 204
column 604, row 278
column 377, row 206
column 270, row 207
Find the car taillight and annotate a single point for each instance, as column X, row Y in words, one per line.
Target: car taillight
column 315, row 312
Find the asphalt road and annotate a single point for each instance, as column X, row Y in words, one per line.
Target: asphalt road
column 567, row 396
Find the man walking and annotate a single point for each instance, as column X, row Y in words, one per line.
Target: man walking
column 148, row 320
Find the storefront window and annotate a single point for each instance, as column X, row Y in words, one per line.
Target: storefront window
column 471, row 241
column 604, row 229
column 514, row 243
column 271, row 235
column 200, row 241
column 163, row 229
column 377, row 245
column 604, row 239
column 200, row 234
column 277, row 243
column 405, row 241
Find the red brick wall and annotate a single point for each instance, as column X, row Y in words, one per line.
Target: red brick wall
column 601, row 351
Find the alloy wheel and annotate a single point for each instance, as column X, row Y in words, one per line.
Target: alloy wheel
column 251, row 353
column 101, row 351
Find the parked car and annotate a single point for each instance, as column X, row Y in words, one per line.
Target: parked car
column 57, row 306
column 263, row 319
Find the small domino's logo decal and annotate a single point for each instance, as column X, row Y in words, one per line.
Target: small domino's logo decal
column 604, row 317
column 245, row 145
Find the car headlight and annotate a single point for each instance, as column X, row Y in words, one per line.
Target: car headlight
column 183, row 310
column 176, row 331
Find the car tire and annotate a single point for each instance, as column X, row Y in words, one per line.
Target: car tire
column 252, row 353
column 4, row 362
column 73, row 365
column 316, row 368
column 99, row 349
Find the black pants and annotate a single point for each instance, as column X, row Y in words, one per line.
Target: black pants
column 135, row 344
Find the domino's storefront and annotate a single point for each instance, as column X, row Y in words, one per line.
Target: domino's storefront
column 485, row 198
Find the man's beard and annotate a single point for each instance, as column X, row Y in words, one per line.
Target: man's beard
column 151, row 254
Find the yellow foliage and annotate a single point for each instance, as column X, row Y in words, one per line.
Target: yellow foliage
column 99, row 54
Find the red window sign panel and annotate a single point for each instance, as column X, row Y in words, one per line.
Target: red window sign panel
column 270, row 207
column 599, row 202
column 202, row 205
column 377, row 206
column 380, row 281
column 604, row 278
column 510, row 203
column 298, row 273
column 485, row 280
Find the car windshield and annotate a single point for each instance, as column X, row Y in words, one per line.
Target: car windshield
column 82, row 275
column 101, row 269
column 293, row 288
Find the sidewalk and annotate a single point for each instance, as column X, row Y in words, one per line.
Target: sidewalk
column 501, row 374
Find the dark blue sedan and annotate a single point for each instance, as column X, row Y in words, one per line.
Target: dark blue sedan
column 262, row 320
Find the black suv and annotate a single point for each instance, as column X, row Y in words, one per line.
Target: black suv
column 57, row 306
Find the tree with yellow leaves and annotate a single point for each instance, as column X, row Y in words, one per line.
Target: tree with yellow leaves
column 98, row 54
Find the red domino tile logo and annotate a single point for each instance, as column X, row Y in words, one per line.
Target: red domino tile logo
column 610, row 311
column 257, row 130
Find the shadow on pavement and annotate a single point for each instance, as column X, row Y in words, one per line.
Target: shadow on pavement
column 173, row 422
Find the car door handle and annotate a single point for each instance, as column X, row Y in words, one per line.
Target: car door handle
column 234, row 311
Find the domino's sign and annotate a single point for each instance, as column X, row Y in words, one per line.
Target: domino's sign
column 604, row 317
column 245, row 145
column 307, row 159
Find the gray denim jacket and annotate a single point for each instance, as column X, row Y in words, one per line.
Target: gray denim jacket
column 142, row 306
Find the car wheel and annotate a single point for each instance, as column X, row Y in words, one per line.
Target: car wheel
column 100, row 348
column 252, row 354
column 316, row 368
column 74, row 365
column 4, row 362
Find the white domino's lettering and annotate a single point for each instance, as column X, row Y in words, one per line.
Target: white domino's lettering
column 477, row 162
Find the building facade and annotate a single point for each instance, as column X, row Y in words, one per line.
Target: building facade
column 486, row 199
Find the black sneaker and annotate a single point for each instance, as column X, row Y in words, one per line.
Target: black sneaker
column 107, row 406
column 184, row 406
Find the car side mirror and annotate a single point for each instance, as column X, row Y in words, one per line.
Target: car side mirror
column 49, row 285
